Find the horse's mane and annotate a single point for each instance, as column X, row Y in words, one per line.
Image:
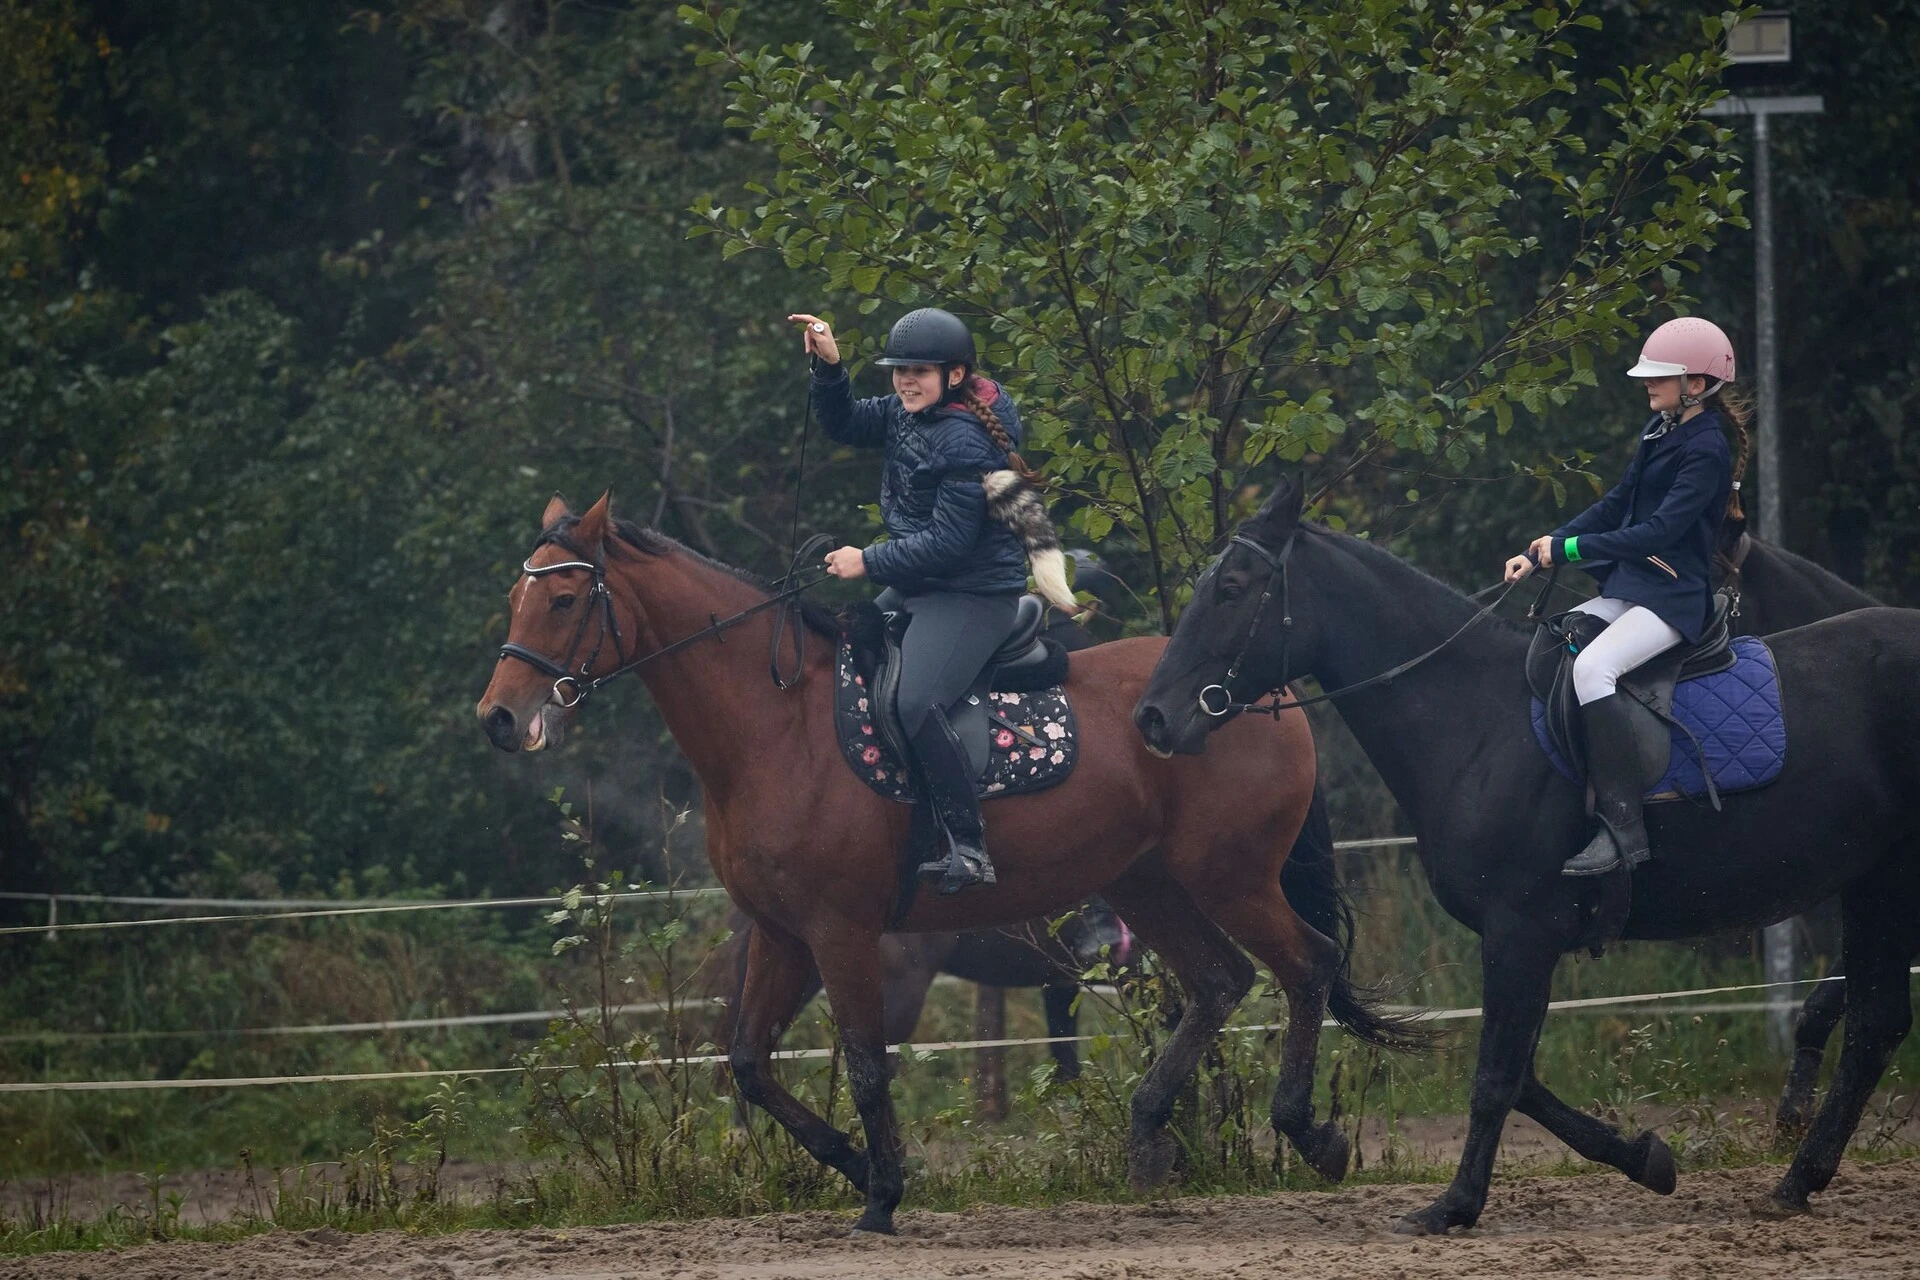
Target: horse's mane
column 1364, row 548
column 818, row 618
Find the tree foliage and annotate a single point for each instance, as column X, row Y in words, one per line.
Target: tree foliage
column 1204, row 236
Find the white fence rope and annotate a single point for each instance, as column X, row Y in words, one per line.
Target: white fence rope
column 257, row 909
column 53, row 927
column 1590, row 1004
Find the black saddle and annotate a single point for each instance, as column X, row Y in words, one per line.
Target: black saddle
column 1025, row 662
column 1649, row 686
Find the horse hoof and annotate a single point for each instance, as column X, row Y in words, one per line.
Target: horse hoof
column 1150, row 1162
column 1657, row 1172
column 876, row 1222
column 1779, row 1206
column 1430, row 1221
column 1330, row 1152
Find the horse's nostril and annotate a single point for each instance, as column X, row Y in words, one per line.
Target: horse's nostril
column 501, row 726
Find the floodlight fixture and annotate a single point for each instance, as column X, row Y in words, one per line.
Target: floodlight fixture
column 1765, row 37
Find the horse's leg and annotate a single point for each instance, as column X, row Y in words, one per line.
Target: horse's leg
column 1303, row 961
column 1880, row 936
column 1214, row 977
column 1517, row 958
column 779, row 979
column 1062, row 1021
column 849, row 963
column 1647, row 1159
column 1821, row 1013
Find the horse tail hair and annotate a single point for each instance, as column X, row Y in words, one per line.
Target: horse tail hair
column 1013, row 501
column 1312, row 885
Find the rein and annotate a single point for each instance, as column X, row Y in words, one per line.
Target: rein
column 584, row 683
column 1269, row 703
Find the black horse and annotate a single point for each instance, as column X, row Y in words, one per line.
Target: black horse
column 1779, row 590
column 1451, row 739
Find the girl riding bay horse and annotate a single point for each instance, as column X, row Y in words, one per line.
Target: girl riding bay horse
column 949, row 565
column 809, row 852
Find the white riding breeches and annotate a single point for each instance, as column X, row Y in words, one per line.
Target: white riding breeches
column 1634, row 634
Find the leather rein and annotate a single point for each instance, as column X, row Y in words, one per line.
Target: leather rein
column 1269, row 703
column 584, row 682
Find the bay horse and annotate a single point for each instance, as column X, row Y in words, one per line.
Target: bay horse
column 807, row 851
column 1451, row 739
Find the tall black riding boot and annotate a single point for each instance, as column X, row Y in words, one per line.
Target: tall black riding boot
column 1613, row 764
column 946, row 778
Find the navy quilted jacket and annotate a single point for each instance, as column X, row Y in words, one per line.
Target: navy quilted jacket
column 1650, row 540
column 939, row 537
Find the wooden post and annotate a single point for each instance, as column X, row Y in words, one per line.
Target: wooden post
column 990, row 1065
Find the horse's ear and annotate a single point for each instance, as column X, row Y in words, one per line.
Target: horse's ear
column 594, row 526
column 1281, row 511
column 556, row 508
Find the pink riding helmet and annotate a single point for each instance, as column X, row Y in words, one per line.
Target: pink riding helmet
column 1688, row 345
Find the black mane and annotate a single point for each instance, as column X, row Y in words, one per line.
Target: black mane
column 818, row 618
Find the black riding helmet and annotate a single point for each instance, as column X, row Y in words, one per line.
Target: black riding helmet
column 928, row 336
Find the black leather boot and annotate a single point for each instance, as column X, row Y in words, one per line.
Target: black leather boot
column 946, row 781
column 1613, row 764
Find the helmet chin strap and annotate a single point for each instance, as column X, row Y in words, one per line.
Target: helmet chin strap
column 1670, row 418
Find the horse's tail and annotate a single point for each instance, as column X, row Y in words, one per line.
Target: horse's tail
column 1310, row 881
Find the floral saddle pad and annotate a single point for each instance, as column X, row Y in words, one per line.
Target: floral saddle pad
column 1030, row 739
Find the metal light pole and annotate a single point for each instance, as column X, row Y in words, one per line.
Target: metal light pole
column 1768, row 38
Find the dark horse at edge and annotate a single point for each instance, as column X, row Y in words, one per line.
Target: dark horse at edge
column 1779, row 590
column 1452, row 741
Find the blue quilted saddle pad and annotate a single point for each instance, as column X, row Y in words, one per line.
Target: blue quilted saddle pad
column 1736, row 716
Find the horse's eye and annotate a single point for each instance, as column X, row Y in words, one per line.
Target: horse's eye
column 562, row 603
column 1232, row 591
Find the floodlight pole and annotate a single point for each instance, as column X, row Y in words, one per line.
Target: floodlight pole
column 1778, row 946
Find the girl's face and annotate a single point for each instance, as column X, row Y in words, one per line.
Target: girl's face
column 1663, row 394
column 919, row 385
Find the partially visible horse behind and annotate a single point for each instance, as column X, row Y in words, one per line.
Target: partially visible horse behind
column 1777, row 591
column 1032, row 953
column 806, row 850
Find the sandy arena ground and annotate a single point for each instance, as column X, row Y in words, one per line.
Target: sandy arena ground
column 1866, row 1225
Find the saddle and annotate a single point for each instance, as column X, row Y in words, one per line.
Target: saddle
column 1023, row 663
column 1649, row 688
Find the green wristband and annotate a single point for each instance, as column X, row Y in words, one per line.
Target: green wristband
column 1571, row 549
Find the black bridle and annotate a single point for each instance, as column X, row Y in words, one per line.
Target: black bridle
column 1269, row 702
column 583, row 680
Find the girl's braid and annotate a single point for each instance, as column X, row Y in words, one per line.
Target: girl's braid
column 1737, row 408
column 998, row 430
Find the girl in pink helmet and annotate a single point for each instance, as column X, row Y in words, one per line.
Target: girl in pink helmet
column 1649, row 544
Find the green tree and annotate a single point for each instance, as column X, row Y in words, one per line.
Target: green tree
column 1206, row 235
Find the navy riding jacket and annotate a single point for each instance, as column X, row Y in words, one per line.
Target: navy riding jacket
column 1650, row 540
column 939, row 537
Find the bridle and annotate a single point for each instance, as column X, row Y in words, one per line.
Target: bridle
column 562, row 671
column 584, row 682
column 1276, row 568
column 1269, row 702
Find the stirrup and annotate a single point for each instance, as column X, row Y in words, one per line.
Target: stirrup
column 1599, row 857
column 1602, row 855
column 965, row 870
